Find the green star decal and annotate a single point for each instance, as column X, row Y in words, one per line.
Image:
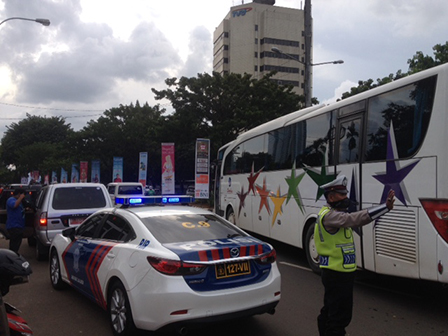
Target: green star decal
column 293, row 183
column 320, row 178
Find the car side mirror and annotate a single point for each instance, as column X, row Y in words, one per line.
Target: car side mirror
column 69, row 233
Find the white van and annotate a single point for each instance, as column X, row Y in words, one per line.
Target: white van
column 125, row 189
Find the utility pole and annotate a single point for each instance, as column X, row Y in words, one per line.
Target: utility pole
column 308, row 47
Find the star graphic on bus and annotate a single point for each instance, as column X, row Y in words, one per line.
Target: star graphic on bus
column 293, row 183
column 264, row 193
column 242, row 196
column 252, row 178
column 394, row 175
column 278, row 201
column 320, row 178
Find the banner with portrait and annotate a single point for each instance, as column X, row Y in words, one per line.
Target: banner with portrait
column 142, row 169
column 168, row 169
column 95, row 177
column 83, row 169
column 117, row 171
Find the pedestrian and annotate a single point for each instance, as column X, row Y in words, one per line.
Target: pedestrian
column 15, row 221
column 333, row 236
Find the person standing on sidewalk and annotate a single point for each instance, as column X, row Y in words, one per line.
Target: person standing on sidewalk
column 333, row 236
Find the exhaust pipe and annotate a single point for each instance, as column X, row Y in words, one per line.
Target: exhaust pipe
column 271, row 311
column 183, row 331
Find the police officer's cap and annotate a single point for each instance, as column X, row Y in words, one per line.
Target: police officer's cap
column 338, row 185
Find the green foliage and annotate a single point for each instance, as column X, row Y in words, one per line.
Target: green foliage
column 219, row 107
column 417, row 63
column 35, row 143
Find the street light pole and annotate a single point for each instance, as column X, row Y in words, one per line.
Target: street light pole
column 44, row 22
column 308, row 92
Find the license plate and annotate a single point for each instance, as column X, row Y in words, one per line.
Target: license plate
column 76, row 221
column 232, row 269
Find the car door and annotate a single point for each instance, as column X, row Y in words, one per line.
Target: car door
column 79, row 255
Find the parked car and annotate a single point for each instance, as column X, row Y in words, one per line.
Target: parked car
column 166, row 267
column 117, row 189
column 65, row 205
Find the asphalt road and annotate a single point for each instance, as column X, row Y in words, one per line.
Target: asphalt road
column 383, row 305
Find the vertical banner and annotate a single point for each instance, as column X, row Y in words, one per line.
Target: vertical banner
column 54, row 177
column 83, row 168
column 202, row 164
column 142, row 167
column 168, row 185
column 47, row 179
column 95, row 177
column 117, row 171
column 74, row 177
column 64, row 175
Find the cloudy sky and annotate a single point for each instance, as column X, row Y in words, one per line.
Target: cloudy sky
column 98, row 54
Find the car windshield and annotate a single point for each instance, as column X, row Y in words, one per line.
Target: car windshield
column 78, row 198
column 130, row 190
column 183, row 228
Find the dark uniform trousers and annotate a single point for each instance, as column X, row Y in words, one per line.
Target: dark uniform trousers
column 336, row 313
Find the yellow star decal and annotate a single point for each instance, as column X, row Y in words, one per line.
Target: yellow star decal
column 278, row 201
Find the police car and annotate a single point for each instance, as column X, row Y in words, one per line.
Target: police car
column 164, row 267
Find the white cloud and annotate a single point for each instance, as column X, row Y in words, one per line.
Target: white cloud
column 99, row 54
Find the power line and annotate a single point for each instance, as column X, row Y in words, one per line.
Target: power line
column 50, row 108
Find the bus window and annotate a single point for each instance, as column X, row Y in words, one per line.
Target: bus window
column 319, row 143
column 409, row 108
column 280, row 148
column 350, row 143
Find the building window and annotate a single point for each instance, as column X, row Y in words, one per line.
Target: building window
column 256, row 41
column 256, row 27
column 256, row 54
column 256, row 68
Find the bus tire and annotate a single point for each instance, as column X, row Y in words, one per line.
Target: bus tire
column 310, row 250
column 230, row 216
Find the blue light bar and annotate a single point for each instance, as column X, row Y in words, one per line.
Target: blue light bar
column 138, row 200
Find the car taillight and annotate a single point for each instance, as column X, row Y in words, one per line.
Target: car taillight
column 437, row 211
column 43, row 219
column 268, row 258
column 175, row 267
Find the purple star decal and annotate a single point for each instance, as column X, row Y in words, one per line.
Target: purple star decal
column 394, row 176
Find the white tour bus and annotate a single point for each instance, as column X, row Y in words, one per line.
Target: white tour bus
column 394, row 136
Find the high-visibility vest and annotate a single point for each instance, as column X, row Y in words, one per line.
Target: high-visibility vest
column 336, row 251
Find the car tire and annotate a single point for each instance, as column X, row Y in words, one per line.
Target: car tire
column 119, row 309
column 310, row 250
column 41, row 251
column 230, row 216
column 55, row 271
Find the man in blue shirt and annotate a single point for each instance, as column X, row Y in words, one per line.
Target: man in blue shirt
column 15, row 222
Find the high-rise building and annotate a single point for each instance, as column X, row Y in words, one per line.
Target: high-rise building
column 244, row 40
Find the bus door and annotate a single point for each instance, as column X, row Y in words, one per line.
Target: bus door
column 349, row 145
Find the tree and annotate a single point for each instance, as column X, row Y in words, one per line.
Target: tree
column 219, row 107
column 36, row 143
column 418, row 62
column 421, row 62
column 123, row 131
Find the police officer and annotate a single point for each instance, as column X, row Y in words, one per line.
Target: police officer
column 333, row 237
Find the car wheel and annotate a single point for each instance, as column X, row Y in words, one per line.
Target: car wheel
column 120, row 314
column 55, row 271
column 310, row 250
column 41, row 251
column 231, row 216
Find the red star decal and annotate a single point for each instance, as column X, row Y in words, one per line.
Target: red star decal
column 264, row 193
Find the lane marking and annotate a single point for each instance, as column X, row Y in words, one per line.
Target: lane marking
column 296, row 266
